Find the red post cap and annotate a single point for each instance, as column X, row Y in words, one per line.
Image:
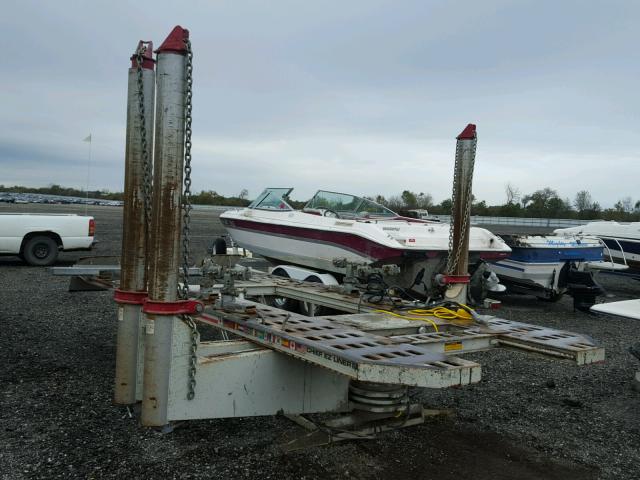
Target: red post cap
column 147, row 57
column 468, row 133
column 175, row 42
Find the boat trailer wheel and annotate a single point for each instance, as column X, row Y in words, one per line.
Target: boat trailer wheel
column 282, row 303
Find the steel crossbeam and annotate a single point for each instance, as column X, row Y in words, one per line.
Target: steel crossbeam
column 98, row 269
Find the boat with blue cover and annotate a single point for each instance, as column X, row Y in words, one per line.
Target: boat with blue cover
column 549, row 266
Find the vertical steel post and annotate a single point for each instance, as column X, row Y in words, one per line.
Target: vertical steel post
column 163, row 332
column 461, row 209
column 134, row 229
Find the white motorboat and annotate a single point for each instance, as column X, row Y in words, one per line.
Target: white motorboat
column 622, row 240
column 335, row 226
column 550, row 265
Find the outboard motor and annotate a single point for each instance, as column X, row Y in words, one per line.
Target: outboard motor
column 483, row 282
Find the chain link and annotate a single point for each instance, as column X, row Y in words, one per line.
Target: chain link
column 146, row 161
column 454, row 196
column 186, row 194
column 186, row 219
column 454, row 253
column 193, row 357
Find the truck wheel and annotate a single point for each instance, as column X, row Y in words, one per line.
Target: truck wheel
column 40, row 251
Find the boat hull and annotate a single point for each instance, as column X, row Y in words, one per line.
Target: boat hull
column 319, row 255
column 541, row 269
column 622, row 240
column 317, row 249
column 295, row 250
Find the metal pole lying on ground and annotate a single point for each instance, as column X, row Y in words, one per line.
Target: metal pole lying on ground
column 133, row 286
column 163, row 330
column 458, row 264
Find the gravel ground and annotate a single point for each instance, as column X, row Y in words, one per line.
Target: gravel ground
column 530, row 418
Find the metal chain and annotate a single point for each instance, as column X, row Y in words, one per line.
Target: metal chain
column 186, row 194
column 186, row 219
column 454, row 196
column 454, row 254
column 146, row 161
column 193, row 357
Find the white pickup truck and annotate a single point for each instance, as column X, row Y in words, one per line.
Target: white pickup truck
column 38, row 238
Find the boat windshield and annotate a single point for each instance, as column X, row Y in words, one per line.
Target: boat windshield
column 273, row 199
column 348, row 206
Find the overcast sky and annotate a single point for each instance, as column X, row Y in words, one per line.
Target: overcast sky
column 358, row 96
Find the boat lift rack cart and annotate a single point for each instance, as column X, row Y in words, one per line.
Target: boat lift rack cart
column 276, row 361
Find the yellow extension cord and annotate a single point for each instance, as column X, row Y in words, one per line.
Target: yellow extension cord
column 443, row 313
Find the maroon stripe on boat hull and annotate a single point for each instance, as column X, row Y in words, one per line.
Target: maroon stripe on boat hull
column 491, row 256
column 350, row 241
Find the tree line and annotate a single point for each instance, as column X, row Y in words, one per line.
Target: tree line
column 543, row 203
column 205, row 197
column 63, row 192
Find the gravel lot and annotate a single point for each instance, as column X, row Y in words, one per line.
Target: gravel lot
column 530, row 417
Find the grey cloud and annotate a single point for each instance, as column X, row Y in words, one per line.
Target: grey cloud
column 366, row 96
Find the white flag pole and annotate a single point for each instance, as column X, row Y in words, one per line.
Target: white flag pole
column 86, row 205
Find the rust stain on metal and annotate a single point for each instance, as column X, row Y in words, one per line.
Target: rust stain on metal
column 134, row 229
column 166, row 241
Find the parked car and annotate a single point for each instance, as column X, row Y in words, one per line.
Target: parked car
column 38, row 238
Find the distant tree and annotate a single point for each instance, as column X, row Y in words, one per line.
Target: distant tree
column 585, row 206
column 557, row 207
column 244, row 194
column 510, row 210
column 396, row 203
column 409, row 199
column 623, row 205
column 206, row 197
column 381, row 200
column 424, row 200
column 479, row 208
column 583, row 201
column 513, row 194
column 445, row 207
column 541, row 202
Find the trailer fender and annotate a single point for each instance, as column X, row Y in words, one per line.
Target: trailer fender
column 304, row 274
